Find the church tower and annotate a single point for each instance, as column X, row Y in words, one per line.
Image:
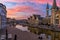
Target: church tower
column 47, row 10
column 55, row 18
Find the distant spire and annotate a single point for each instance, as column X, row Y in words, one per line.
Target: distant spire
column 54, row 5
column 47, row 10
column 47, row 7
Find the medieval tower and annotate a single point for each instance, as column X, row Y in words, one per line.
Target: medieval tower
column 55, row 14
column 47, row 10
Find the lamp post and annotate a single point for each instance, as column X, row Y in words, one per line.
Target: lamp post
column 6, row 34
column 0, row 26
column 15, row 37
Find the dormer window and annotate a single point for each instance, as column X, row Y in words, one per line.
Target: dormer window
column 57, row 15
column 57, row 21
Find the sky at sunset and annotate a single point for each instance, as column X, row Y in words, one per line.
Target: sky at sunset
column 22, row 9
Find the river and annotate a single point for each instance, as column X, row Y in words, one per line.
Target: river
column 25, row 28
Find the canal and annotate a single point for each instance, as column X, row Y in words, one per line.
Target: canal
column 25, row 28
column 43, row 35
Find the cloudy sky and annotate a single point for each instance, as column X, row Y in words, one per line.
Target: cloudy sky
column 21, row 9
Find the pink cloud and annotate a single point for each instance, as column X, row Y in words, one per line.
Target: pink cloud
column 28, row 9
column 14, row 0
column 35, row 1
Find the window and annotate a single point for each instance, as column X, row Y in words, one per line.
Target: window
column 57, row 15
column 57, row 21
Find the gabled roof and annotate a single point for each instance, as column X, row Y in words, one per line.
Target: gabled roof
column 55, row 5
column 37, row 16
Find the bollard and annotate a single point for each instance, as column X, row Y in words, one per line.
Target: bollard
column 15, row 37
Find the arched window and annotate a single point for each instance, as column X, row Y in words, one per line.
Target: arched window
column 57, row 21
column 57, row 15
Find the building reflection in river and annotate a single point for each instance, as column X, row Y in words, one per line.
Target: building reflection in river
column 22, row 28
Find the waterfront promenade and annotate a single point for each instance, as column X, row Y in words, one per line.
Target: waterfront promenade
column 21, row 35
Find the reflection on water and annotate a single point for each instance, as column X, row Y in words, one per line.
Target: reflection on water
column 22, row 28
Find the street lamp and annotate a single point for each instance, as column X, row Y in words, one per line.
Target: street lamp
column 6, row 34
column 15, row 37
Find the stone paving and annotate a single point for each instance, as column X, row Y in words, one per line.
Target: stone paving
column 21, row 35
